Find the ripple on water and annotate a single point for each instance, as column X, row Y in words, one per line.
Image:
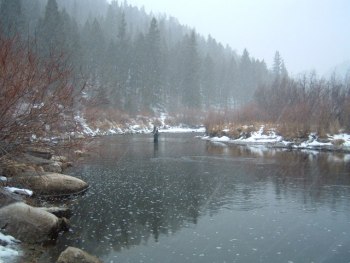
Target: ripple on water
column 185, row 202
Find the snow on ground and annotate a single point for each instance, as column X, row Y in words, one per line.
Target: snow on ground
column 255, row 138
column 3, row 179
column 342, row 136
column 9, row 249
column 260, row 137
column 136, row 126
column 86, row 129
column 19, row 191
column 270, row 138
column 313, row 143
column 220, row 139
column 181, row 130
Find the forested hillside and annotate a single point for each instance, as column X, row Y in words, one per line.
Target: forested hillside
column 133, row 61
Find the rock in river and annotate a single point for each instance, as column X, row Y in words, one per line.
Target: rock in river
column 75, row 255
column 53, row 184
column 7, row 198
column 29, row 224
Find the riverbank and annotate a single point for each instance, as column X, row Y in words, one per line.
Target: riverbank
column 268, row 137
column 37, row 171
column 26, row 221
column 137, row 125
column 253, row 135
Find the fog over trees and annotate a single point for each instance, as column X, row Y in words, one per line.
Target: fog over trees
column 135, row 63
column 132, row 60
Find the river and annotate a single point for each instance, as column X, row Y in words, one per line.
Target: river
column 188, row 200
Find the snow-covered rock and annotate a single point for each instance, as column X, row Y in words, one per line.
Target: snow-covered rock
column 7, row 198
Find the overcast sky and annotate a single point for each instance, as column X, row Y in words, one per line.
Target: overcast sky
column 309, row 34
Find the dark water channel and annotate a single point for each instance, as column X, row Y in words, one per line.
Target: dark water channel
column 187, row 200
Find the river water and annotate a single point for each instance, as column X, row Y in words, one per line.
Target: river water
column 188, row 200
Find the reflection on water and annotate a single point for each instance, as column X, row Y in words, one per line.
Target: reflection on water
column 187, row 200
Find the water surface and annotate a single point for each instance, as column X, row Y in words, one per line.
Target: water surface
column 187, row 200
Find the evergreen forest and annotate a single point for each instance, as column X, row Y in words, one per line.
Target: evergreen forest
column 110, row 60
column 134, row 61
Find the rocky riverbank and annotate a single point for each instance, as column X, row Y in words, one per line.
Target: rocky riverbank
column 25, row 228
column 37, row 172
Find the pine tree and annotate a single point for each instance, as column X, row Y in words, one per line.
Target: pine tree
column 152, row 92
column 111, row 22
column 190, row 82
column 122, row 28
column 230, row 83
column 208, row 80
column 32, row 10
column 277, row 65
column 12, row 20
column 245, row 77
column 123, row 62
column 72, row 45
column 138, row 66
column 284, row 71
column 51, row 30
column 94, row 47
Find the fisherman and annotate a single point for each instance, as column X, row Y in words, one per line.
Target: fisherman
column 155, row 134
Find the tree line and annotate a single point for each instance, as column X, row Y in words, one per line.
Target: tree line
column 61, row 58
column 134, row 61
column 305, row 104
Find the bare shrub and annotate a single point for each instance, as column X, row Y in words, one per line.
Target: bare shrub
column 96, row 114
column 36, row 95
column 191, row 117
column 294, row 107
column 214, row 123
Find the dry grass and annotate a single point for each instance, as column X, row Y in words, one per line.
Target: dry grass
column 105, row 119
column 293, row 130
column 235, row 126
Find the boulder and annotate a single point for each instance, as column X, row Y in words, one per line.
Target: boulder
column 54, row 167
column 36, row 160
column 59, row 158
column 53, row 184
column 47, row 165
column 29, row 224
column 44, row 153
column 7, row 198
column 75, row 255
column 62, row 161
